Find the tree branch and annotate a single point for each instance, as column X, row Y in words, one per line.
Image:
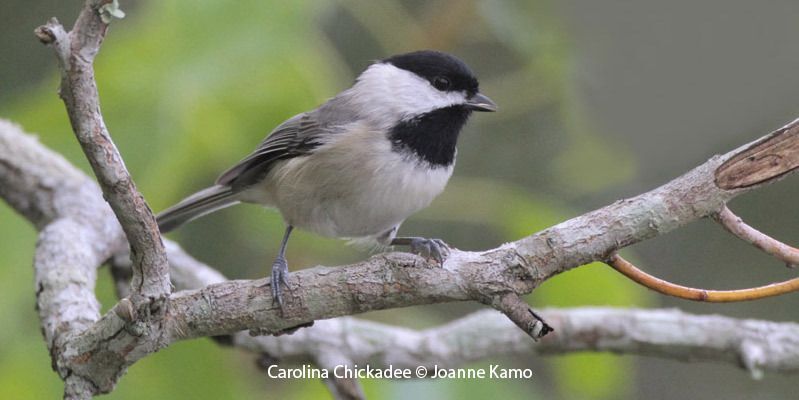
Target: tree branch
column 688, row 293
column 736, row 226
column 751, row 344
column 104, row 348
column 91, row 352
column 40, row 184
column 75, row 52
column 399, row 280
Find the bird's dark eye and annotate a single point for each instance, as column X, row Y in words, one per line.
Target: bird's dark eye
column 441, row 83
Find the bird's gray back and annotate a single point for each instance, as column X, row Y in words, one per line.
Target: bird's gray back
column 297, row 136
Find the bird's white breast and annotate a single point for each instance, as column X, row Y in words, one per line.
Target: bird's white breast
column 352, row 186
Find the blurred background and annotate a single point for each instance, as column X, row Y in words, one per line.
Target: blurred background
column 598, row 101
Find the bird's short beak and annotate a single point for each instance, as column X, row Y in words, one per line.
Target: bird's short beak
column 481, row 102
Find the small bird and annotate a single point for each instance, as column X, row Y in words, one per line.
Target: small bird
column 361, row 163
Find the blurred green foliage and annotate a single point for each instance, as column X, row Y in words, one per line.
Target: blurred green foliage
column 189, row 87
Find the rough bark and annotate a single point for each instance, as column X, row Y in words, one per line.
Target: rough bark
column 75, row 51
column 91, row 353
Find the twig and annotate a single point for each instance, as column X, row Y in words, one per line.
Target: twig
column 75, row 52
column 518, row 311
column 735, row 225
column 342, row 388
column 711, row 296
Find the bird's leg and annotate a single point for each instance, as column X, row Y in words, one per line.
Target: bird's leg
column 427, row 248
column 280, row 269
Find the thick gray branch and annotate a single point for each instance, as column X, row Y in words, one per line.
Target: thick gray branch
column 78, row 230
column 78, row 233
column 40, row 184
column 751, row 344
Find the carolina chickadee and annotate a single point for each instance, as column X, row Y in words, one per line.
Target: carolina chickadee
column 361, row 163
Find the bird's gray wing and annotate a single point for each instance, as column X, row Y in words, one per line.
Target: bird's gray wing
column 295, row 137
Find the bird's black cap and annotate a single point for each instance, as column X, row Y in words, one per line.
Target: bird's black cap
column 435, row 65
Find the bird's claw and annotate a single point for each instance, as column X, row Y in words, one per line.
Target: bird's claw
column 430, row 248
column 280, row 273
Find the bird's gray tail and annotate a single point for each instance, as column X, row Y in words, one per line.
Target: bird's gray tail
column 203, row 202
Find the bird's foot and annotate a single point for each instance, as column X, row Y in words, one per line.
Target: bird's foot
column 280, row 274
column 426, row 248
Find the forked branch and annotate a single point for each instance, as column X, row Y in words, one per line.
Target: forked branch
column 79, row 232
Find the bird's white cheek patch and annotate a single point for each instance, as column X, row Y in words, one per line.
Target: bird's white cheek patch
column 399, row 94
